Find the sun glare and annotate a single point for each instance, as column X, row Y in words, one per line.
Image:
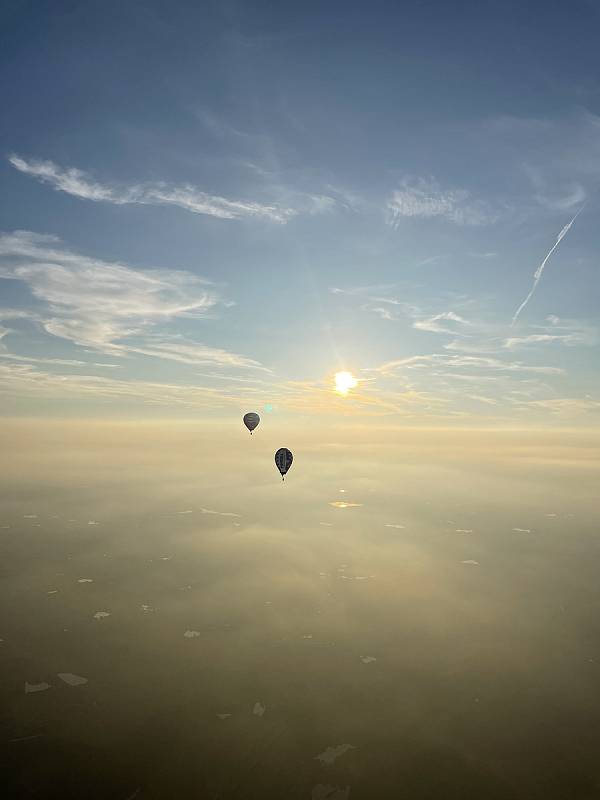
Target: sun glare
column 344, row 381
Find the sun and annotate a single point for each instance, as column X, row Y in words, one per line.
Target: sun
column 344, row 381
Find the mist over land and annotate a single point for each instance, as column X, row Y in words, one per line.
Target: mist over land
column 429, row 631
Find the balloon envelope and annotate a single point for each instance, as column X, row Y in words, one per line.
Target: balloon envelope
column 283, row 460
column 251, row 420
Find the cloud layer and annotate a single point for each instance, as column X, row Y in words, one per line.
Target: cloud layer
column 110, row 307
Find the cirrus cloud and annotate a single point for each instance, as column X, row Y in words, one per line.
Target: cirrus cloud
column 424, row 198
column 78, row 183
column 111, row 307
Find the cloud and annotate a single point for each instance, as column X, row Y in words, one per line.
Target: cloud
column 62, row 362
column 471, row 345
column 491, row 338
column 78, row 184
column 462, row 361
column 424, row 198
column 354, row 291
column 432, row 324
column 218, row 513
column 482, row 399
column 584, row 336
column 26, row 380
column 176, row 348
column 567, row 406
column 104, row 306
column 17, row 313
column 376, row 302
column 575, row 196
column 534, row 338
column 383, row 313
column 559, row 157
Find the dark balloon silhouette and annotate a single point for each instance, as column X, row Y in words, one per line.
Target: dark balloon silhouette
column 251, row 420
column 283, row 460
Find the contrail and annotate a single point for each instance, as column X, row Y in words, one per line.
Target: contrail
column 538, row 273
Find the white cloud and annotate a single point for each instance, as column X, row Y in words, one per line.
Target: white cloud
column 16, row 313
column 471, row 345
column 362, row 290
column 383, row 313
column 101, row 305
column 567, row 406
column 78, row 184
column 462, row 361
column 425, row 199
column 26, row 380
column 62, row 362
column 569, row 332
column 433, row 324
column 177, row 348
column 537, row 338
column 483, row 399
column 559, row 156
column 219, row 513
column 496, row 364
column 575, row 196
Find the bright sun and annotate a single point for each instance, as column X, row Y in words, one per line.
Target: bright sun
column 344, row 381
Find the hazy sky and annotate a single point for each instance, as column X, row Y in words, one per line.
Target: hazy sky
column 212, row 207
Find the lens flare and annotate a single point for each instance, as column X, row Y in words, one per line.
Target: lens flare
column 344, row 381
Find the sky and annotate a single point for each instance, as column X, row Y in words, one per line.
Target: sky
column 213, row 208
column 210, row 208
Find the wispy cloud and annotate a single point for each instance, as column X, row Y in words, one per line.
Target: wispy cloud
column 78, row 183
column 425, row 199
column 469, row 384
column 559, row 156
column 471, row 344
column 219, row 513
column 539, row 271
column 389, row 307
column 463, row 361
column 17, row 313
column 27, row 380
column 491, row 337
column 567, row 332
column 567, row 406
column 585, row 336
column 573, row 196
column 490, row 401
column 62, row 362
column 110, row 307
column 176, row 348
column 358, row 291
column 437, row 323
column 317, row 397
column 383, row 313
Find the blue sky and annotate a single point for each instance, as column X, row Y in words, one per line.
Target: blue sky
column 216, row 206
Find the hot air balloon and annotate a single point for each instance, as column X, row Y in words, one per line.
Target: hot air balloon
column 283, row 461
column 251, row 420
